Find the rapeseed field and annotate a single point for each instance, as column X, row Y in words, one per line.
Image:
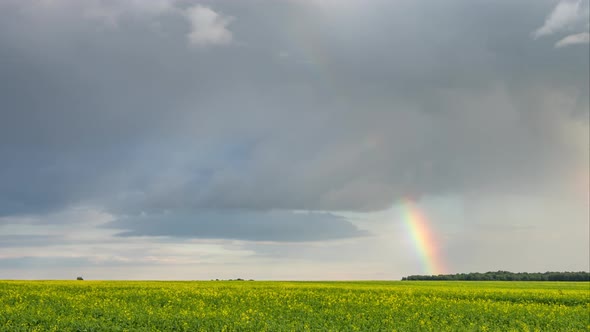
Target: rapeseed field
column 293, row 306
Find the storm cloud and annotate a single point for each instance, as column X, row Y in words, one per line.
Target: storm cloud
column 272, row 121
column 241, row 225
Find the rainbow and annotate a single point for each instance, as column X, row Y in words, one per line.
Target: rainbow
column 422, row 237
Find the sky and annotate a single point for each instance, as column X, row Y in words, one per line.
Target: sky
column 292, row 139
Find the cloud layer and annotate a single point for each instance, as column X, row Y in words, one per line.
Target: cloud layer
column 241, row 225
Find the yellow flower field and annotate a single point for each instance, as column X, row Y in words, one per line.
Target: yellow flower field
column 293, row 306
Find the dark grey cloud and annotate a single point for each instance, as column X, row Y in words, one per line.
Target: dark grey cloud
column 108, row 105
column 36, row 263
column 15, row 241
column 241, row 225
column 42, row 262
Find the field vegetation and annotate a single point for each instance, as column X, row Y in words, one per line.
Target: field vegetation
column 293, row 306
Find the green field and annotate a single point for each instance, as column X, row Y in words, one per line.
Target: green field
column 293, row 306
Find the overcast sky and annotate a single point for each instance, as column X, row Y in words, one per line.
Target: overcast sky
column 267, row 139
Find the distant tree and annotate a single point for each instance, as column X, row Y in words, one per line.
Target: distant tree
column 507, row 276
column 79, row 278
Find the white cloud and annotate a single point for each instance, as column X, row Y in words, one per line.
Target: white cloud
column 208, row 27
column 568, row 15
column 579, row 38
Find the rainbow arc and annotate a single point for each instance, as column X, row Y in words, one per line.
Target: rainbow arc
column 423, row 238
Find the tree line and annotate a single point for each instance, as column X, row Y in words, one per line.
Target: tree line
column 507, row 276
